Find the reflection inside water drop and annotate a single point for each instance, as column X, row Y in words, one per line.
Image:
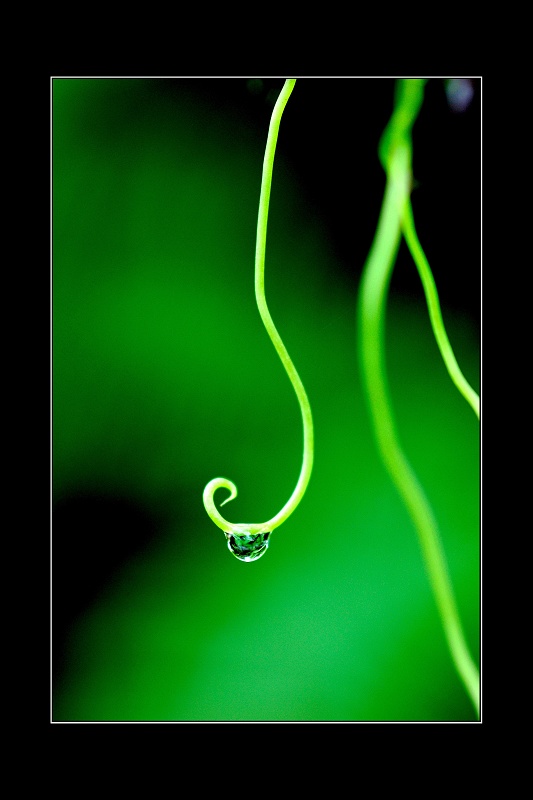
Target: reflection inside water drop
column 248, row 546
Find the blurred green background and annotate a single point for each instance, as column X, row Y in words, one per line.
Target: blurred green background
column 163, row 378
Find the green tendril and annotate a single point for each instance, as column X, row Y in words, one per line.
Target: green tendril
column 396, row 156
column 307, row 463
column 408, row 101
column 432, row 299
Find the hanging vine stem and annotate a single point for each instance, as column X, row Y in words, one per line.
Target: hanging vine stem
column 435, row 315
column 250, row 530
column 396, row 154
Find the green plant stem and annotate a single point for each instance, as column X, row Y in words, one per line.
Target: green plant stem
column 305, row 408
column 395, row 150
column 432, row 299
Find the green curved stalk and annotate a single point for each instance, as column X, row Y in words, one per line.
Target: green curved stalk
column 395, row 153
column 307, row 462
column 432, row 299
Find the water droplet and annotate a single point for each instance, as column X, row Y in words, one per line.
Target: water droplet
column 248, row 546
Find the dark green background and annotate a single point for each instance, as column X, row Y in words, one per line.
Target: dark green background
column 163, row 378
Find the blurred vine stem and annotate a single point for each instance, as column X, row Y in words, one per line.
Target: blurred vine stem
column 305, row 408
column 395, row 151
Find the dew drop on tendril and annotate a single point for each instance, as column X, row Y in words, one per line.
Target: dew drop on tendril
column 248, row 546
